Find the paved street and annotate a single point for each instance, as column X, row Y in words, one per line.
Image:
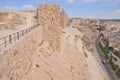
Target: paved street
column 102, row 57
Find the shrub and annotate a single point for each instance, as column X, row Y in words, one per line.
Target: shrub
column 114, row 66
column 115, row 59
column 118, row 73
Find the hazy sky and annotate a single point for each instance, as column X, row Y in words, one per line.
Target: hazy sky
column 74, row 8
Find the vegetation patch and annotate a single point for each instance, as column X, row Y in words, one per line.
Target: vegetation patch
column 105, row 50
column 118, row 73
column 114, row 66
column 115, row 59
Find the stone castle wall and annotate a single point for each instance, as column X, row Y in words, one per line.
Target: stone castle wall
column 49, row 17
column 64, row 19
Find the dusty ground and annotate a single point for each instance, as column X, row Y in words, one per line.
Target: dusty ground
column 34, row 59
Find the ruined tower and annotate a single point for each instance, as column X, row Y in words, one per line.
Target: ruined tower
column 50, row 19
column 64, row 19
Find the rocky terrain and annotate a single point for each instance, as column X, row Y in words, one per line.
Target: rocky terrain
column 52, row 51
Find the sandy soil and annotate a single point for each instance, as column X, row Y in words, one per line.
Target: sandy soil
column 34, row 59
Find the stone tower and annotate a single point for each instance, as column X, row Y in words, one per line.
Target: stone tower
column 50, row 19
column 64, row 19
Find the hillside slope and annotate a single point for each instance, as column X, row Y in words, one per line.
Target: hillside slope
column 34, row 59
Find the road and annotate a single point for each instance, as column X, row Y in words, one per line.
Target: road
column 102, row 57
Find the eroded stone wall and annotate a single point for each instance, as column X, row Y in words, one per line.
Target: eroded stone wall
column 53, row 21
column 64, row 19
column 49, row 18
